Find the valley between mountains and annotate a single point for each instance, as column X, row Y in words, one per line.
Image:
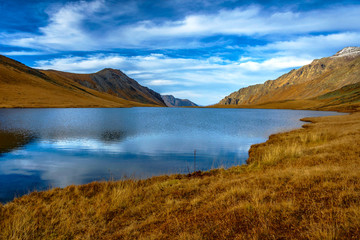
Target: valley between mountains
column 25, row 87
column 330, row 83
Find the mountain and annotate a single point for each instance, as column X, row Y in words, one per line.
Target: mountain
column 172, row 101
column 320, row 77
column 22, row 86
column 116, row 83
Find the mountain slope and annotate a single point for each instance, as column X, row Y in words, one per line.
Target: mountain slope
column 345, row 98
column 22, row 86
column 172, row 101
column 318, row 78
column 116, row 83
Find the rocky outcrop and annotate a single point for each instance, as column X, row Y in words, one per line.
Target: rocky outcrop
column 348, row 52
column 171, row 101
column 312, row 80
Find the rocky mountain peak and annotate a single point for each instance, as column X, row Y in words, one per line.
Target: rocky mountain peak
column 348, row 52
column 172, row 101
column 109, row 70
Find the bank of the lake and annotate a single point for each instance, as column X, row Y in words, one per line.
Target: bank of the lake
column 43, row 148
column 302, row 184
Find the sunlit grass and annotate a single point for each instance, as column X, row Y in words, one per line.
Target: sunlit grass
column 302, row 184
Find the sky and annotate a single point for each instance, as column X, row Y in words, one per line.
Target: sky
column 201, row 50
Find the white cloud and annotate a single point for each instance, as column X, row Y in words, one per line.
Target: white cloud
column 161, row 82
column 66, row 30
column 204, row 81
column 82, row 64
column 22, row 53
column 312, row 46
column 275, row 63
column 184, row 94
column 248, row 21
column 145, row 66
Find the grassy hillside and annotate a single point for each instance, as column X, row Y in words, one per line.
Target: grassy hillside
column 345, row 99
column 302, row 184
column 318, row 78
column 22, row 86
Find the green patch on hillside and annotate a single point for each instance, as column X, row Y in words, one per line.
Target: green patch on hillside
column 349, row 93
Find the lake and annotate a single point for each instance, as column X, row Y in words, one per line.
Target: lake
column 43, row 148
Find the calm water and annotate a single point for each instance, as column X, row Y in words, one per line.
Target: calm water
column 42, row 148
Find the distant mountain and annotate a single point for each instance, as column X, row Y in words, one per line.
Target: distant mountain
column 22, row 86
column 320, row 77
column 171, row 101
column 116, row 83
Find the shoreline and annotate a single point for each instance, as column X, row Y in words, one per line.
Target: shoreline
column 169, row 173
column 193, row 173
column 279, row 154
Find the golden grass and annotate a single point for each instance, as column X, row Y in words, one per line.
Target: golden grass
column 303, row 184
column 300, row 104
column 19, row 89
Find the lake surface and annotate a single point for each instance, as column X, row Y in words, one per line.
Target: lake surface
column 42, row 148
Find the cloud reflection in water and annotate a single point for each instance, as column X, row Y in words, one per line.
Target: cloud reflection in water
column 75, row 146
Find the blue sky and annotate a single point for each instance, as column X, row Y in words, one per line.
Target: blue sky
column 197, row 49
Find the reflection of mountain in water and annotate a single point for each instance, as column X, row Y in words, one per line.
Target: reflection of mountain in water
column 73, row 134
column 60, row 147
column 10, row 140
column 113, row 136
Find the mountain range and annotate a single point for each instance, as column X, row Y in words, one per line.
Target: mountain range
column 318, row 85
column 330, row 83
column 22, row 86
column 172, row 101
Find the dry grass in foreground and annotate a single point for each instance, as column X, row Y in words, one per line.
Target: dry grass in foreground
column 303, row 184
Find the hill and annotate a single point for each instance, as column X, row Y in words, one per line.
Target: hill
column 116, row 83
column 345, row 99
column 172, row 101
column 22, row 86
column 308, row 83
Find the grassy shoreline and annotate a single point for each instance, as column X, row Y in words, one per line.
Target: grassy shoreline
column 302, row 184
